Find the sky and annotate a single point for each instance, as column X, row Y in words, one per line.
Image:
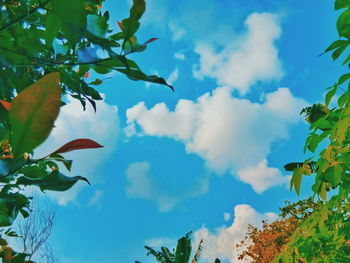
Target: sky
column 208, row 157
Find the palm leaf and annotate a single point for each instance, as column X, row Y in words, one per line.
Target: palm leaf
column 198, row 252
column 183, row 249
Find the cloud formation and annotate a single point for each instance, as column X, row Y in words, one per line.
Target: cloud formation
column 221, row 242
column 74, row 123
column 141, row 184
column 229, row 133
column 247, row 59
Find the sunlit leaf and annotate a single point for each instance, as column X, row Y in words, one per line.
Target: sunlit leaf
column 33, row 112
column 97, row 25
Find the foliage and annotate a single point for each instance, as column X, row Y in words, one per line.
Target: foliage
column 262, row 245
column 181, row 254
column 47, row 49
column 325, row 235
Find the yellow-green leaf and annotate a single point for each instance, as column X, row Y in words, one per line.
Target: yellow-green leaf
column 33, row 113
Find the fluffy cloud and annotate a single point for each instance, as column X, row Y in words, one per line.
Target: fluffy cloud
column 221, row 242
column 230, row 134
column 74, row 123
column 247, row 59
column 140, row 184
column 261, row 177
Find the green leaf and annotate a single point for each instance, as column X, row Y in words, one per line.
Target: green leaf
column 343, row 99
column 313, row 141
column 73, row 17
column 183, row 249
column 336, row 44
column 33, row 172
column 33, row 112
column 339, row 4
column 54, row 181
column 296, row 179
column 167, row 256
column 343, row 78
column 338, row 52
column 333, row 175
column 52, row 25
column 346, row 60
column 330, row 94
column 132, row 24
column 59, row 158
column 97, row 25
column 8, row 212
column 343, row 24
column 139, row 75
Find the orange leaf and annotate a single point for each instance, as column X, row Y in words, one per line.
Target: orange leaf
column 78, row 144
column 5, row 104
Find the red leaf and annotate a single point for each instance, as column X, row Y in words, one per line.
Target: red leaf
column 120, row 25
column 78, row 144
column 87, row 74
column 5, row 104
column 151, row 40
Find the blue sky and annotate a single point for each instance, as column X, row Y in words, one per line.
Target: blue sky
column 208, row 157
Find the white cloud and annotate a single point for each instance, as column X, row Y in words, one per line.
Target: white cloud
column 140, row 184
column 173, row 76
column 221, row 243
column 230, row 134
column 176, row 31
column 179, row 56
column 74, row 123
column 261, row 177
column 96, row 198
column 226, row 216
column 246, row 60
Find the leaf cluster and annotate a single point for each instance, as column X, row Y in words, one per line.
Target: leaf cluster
column 325, row 235
column 47, row 50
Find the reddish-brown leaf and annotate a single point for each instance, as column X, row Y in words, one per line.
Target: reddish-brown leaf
column 150, row 40
column 120, row 25
column 5, row 104
column 78, row 144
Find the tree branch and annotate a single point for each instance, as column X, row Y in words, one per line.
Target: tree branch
column 23, row 17
column 53, row 62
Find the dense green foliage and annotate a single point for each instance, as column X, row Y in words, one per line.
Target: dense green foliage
column 46, row 53
column 325, row 235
